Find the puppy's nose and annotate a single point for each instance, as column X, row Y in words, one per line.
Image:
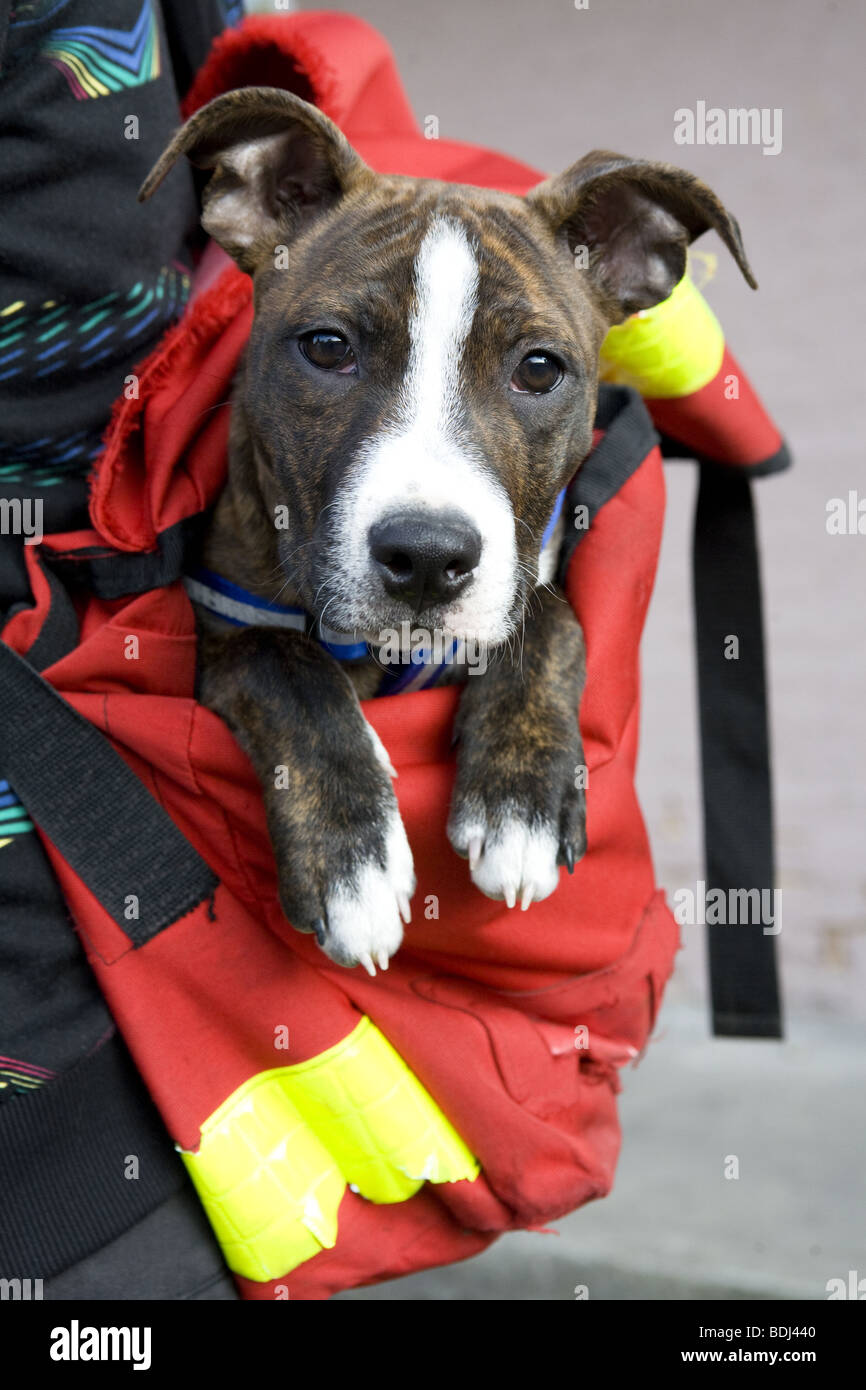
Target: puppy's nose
column 424, row 559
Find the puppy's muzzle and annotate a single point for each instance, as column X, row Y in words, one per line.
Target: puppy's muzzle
column 422, row 559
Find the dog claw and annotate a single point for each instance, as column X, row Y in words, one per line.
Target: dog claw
column 568, row 855
column 405, row 909
column 320, row 930
column 367, row 961
column 382, row 958
column 510, row 895
column 475, row 846
column 527, row 897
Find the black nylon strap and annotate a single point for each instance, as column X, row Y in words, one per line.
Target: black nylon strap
column 114, row 574
column 629, row 436
column 735, row 754
column 93, row 808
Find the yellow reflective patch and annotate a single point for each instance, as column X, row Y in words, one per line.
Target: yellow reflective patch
column 671, row 350
column 276, row 1157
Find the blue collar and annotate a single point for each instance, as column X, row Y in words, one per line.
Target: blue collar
column 244, row 609
column 239, row 607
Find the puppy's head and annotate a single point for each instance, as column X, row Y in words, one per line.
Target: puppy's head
column 421, row 376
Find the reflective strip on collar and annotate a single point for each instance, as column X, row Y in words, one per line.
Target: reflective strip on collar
column 237, row 605
column 244, row 609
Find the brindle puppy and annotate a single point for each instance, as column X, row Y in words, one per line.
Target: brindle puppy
column 419, row 386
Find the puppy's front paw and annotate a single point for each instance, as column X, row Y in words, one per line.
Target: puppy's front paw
column 515, row 844
column 510, row 857
column 343, row 859
column 365, row 911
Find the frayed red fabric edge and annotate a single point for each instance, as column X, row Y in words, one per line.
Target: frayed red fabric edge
column 284, row 33
column 208, row 315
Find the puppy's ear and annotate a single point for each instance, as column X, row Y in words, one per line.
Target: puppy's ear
column 276, row 161
column 636, row 220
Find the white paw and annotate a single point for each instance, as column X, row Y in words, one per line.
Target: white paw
column 365, row 915
column 512, row 860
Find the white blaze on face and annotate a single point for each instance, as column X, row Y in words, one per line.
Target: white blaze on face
column 419, row 463
column 446, row 281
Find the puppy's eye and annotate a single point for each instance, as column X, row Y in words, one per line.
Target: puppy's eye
column 537, row 374
column 329, row 351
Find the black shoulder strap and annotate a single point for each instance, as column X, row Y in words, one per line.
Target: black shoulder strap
column 732, row 693
column 629, row 435
column 93, row 808
column 735, row 755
